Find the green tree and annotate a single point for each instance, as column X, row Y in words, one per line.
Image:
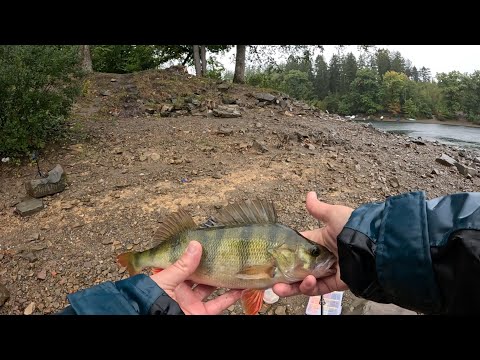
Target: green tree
column 397, row 63
column 349, row 71
column 38, row 84
column 382, row 59
column 410, row 108
column 424, row 74
column 334, row 71
column 365, row 92
column 393, row 87
column 297, row 84
column 415, row 77
column 320, row 81
column 452, row 85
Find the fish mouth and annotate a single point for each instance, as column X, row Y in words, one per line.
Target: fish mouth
column 324, row 266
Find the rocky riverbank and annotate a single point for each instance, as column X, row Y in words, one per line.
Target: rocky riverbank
column 144, row 145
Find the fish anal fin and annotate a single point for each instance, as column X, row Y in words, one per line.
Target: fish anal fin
column 252, row 300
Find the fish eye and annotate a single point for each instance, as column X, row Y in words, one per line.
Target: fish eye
column 315, row 252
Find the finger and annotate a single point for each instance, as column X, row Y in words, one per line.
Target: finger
column 203, row 291
column 217, row 305
column 314, row 235
column 285, row 290
column 322, row 287
column 316, row 208
column 179, row 271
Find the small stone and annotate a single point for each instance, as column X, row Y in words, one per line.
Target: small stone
column 258, row 125
column 311, row 147
column 107, row 241
column 42, row 275
column 30, row 256
column 54, row 183
column 231, row 308
column 4, row 295
column 217, row 176
column 113, row 80
column 446, row 160
column 34, row 237
column 154, row 156
column 29, row 206
column 29, row 309
column 130, row 247
column 280, row 310
column 77, row 225
column 122, row 270
column 435, row 172
column 143, row 157
column 66, row 206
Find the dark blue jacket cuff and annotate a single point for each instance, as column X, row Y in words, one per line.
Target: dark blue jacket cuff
column 132, row 296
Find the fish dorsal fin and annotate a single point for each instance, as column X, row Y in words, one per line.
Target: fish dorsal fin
column 174, row 224
column 247, row 212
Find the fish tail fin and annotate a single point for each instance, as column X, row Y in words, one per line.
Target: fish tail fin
column 128, row 260
column 252, row 300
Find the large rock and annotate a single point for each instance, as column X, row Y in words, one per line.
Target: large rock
column 54, row 183
column 446, row 160
column 265, row 97
column 4, row 295
column 465, row 170
column 29, row 206
column 230, row 111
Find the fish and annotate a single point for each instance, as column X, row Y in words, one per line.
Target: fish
column 244, row 247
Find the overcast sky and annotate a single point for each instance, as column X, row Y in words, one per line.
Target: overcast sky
column 439, row 58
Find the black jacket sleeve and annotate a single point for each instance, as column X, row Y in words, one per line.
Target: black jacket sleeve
column 137, row 295
column 419, row 254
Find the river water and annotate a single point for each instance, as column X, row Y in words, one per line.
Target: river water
column 461, row 136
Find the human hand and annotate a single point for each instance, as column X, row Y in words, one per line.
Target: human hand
column 173, row 280
column 335, row 217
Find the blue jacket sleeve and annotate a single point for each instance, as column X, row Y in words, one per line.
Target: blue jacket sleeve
column 417, row 253
column 137, row 295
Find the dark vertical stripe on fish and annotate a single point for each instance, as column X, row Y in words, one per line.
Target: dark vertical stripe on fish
column 273, row 235
column 216, row 242
column 244, row 244
column 173, row 249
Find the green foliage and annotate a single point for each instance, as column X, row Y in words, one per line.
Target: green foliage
column 410, row 108
column 214, row 68
column 297, row 84
column 365, row 92
column 37, row 88
column 124, row 58
column 393, row 87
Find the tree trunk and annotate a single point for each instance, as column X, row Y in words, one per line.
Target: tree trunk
column 196, row 58
column 203, row 54
column 239, row 76
column 86, row 59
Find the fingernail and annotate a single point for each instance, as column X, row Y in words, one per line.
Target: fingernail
column 191, row 249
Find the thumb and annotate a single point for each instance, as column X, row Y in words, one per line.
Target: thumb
column 318, row 209
column 185, row 266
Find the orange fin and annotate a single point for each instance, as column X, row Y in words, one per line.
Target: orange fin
column 252, row 300
column 156, row 270
column 127, row 260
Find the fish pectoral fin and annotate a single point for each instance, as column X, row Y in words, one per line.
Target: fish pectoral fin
column 256, row 272
column 156, row 270
column 252, row 300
